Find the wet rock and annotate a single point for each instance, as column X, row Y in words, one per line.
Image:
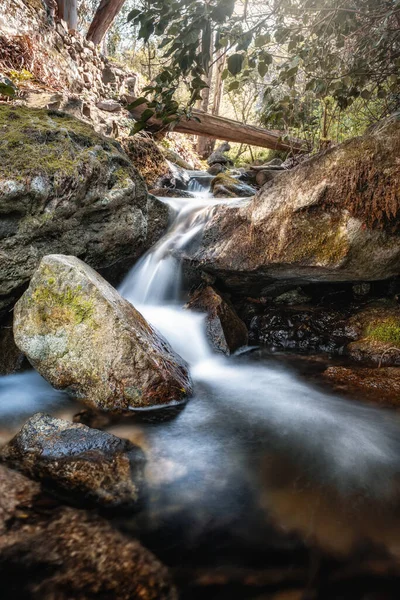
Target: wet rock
column 361, row 289
column 378, row 340
column 292, row 297
column 225, row 330
column 247, row 176
column 308, row 329
column 71, row 190
column 82, row 336
column 49, row 551
column 378, row 385
column 11, row 357
column 82, row 465
column 224, row 185
column 170, row 193
column 334, row 218
column 216, row 168
column 218, row 156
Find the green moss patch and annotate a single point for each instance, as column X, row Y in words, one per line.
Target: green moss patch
column 44, row 142
column 387, row 331
column 321, row 239
column 59, row 308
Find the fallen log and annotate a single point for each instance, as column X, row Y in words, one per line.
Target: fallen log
column 228, row 130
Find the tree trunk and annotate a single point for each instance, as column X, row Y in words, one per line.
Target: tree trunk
column 225, row 129
column 218, row 91
column 60, row 9
column 68, row 11
column 71, row 14
column 219, row 84
column 105, row 15
column 202, row 143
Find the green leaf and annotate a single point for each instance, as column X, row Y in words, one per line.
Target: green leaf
column 7, row 88
column 233, row 86
column 224, row 74
column 137, row 127
column 146, row 115
column 262, row 68
column 136, row 103
column 133, row 14
column 235, row 63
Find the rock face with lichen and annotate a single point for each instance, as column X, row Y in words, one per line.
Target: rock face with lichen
column 82, row 336
column 85, row 466
column 333, row 218
column 66, row 189
column 62, row 552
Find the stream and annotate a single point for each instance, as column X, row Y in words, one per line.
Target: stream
column 262, row 470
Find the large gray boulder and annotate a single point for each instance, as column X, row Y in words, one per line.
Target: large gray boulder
column 82, row 465
column 66, row 189
column 81, row 335
column 334, row 218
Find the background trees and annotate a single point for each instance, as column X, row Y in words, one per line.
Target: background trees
column 320, row 68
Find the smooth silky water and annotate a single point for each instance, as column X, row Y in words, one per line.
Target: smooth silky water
column 259, row 461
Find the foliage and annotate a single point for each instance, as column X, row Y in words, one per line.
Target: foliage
column 7, row 87
column 315, row 58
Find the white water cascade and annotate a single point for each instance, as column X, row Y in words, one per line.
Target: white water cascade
column 356, row 445
column 242, row 406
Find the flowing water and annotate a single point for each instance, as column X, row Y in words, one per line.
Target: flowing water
column 260, row 464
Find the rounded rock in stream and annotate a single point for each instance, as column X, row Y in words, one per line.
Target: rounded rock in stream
column 83, row 465
column 82, row 336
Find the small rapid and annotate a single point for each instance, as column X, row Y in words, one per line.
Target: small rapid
column 255, row 441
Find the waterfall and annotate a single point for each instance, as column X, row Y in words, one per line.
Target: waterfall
column 357, row 446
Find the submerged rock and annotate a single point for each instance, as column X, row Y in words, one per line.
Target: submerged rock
column 224, row 185
column 49, row 551
column 65, row 188
column 82, row 336
column 225, row 330
column 83, row 465
column 378, row 385
column 301, row 328
column 333, row 218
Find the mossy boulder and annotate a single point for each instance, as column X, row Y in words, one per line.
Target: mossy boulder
column 378, row 342
column 82, row 336
column 225, row 186
column 65, row 188
column 334, row 218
